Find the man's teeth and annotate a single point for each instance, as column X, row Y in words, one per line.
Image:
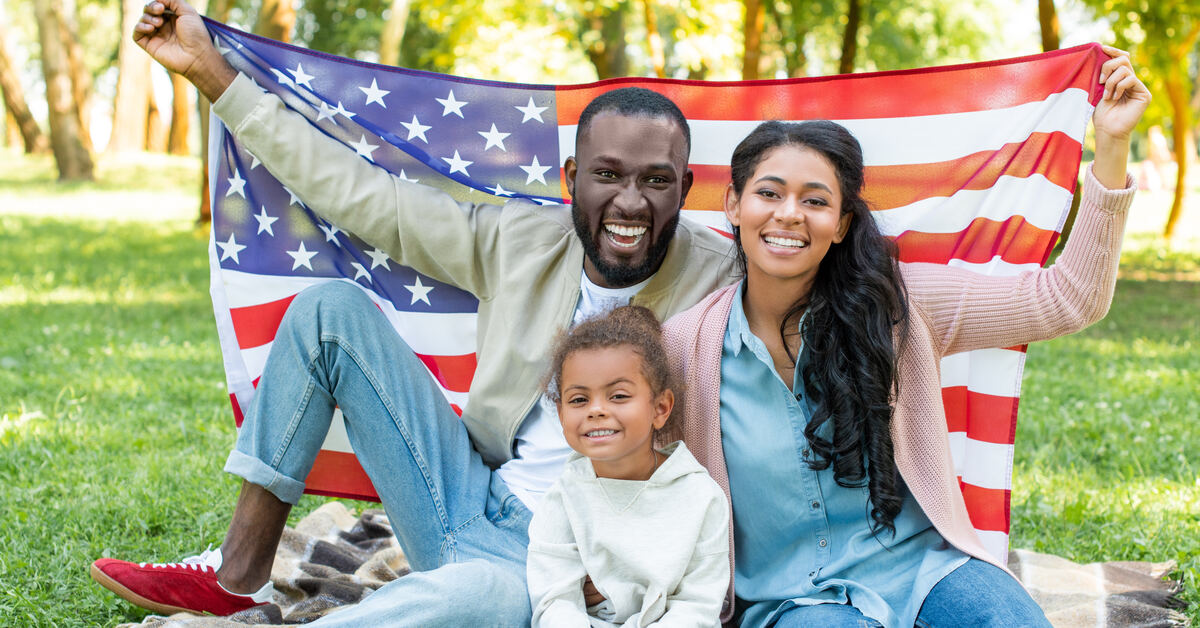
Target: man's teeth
column 625, row 231
column 615, row 232
column 788, row 242
column 598, row 433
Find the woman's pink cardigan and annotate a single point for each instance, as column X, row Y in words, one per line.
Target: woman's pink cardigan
column 950, row 310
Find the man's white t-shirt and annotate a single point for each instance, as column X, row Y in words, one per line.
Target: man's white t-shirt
column 541, row 449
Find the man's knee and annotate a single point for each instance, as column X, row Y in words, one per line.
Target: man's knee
column 336, row 298
column 499, row 591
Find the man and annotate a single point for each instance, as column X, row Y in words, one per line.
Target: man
column 459, row 493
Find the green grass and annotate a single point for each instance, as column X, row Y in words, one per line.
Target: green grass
column 115, row 422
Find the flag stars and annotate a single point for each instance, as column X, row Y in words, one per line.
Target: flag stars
column 374, row 94
column 531, row 111
column 419, row 292
column 535, row 172
column 325, row 111
column 302, row 257
column 230, row 249
column 265, row 222
column 220, row 48
column 363, row 148
column 499, row 191
column 494, row 138
column 282, row 78
column 301, row 77
column 331, row 234
column 237, row 185
column 360, row 272
column 404, row 177
column 341, row 111
column 451, row 106
column 458, row 164
column 378, row 258
column 416, row 129
column 293, row 199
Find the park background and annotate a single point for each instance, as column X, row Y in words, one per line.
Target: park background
column 114, row 418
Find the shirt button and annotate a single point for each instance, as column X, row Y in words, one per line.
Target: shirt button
column 799, row 396
column 816, row 505
column 804, row 454
column 822, row 542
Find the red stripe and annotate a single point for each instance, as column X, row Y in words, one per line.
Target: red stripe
column 988, row 507
column 1015, row 240
column 237, row 410
column 255, row 325
column 453, row 372
column 917, row 92
column 986, row 418
column 338, row 474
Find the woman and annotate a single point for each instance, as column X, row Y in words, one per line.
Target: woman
column 814, row 387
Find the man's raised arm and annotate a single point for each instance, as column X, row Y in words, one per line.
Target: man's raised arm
column 418, row 226
column 173, row 33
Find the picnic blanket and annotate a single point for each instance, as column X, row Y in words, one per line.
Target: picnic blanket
column 970, row 165
column 332, row 559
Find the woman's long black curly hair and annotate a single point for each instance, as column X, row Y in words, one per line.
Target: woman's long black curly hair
column 856, row 305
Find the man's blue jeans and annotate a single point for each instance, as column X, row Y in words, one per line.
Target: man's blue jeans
column 464, row 533
column 976, row 594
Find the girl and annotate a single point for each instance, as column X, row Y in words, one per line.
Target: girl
column 648, row 526
column 814, row 388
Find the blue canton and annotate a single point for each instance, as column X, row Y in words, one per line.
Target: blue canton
column 799, row 538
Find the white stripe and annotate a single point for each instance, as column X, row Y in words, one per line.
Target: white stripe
column 246, row 289
column 996, row 544
column 910, row 139
column 986, row 465
column 987, row 371
column 427, row 333
column 996, row 268
column 1040, row 201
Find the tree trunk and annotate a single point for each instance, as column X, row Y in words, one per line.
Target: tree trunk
column 850, row 37
column 607, row 52
column 81, row 77
column 752, row 27
column 74, row 161
column 1179, row 89
column 1177, row 93
column 658, row 58
column 156, row 132
column 177, row 137
column 15, row 104
column 133, row 86
column 1048, row 18
column 276, row 20
column 393, row 33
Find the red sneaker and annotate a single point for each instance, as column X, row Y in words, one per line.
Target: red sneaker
column 190, row 585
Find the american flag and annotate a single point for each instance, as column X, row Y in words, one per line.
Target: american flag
column 970, row 165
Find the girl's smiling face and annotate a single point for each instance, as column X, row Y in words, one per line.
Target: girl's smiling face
column 609, row 411
column 788, row 214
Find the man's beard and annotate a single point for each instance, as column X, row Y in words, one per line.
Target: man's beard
column 617, row 274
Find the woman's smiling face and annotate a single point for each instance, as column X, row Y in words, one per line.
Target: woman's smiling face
column 789, row 214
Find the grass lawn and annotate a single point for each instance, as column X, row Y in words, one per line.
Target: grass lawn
column 115, row 422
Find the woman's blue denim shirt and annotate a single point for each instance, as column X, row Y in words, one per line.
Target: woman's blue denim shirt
column 799, row 538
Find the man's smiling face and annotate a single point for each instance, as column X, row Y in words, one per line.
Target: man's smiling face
column 627, row 182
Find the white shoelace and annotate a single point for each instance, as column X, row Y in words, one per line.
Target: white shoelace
column 206, row 560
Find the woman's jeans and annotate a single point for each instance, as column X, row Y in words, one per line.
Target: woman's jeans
column 976, row 594
column 463, row 531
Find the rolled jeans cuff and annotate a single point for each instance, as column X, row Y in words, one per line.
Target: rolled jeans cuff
column 258, row 472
